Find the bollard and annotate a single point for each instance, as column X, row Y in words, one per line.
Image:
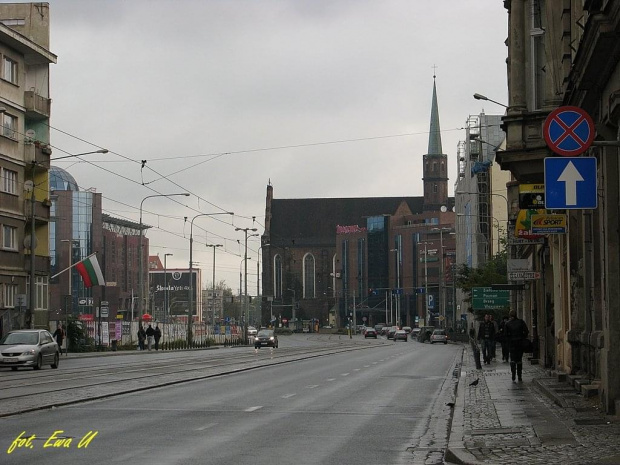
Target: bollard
column 476, row 351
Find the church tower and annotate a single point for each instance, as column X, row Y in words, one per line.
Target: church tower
column 435, row 164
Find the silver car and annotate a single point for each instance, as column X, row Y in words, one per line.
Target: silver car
column 29, row 348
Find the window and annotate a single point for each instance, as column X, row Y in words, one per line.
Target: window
column 277, row 276
column 9, row 181
column 9, row 126
column 9, row 237
column 42, row 292
column 8, row 295
column 309, row 277
column 9, row 70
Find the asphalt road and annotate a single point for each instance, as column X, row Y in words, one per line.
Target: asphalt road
column 366, row 406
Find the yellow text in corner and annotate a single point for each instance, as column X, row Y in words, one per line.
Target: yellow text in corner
column 57, row 440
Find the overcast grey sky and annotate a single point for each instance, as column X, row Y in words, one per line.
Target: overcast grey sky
column 323, row 98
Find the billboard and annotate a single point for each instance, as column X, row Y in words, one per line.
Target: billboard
column 173, row 288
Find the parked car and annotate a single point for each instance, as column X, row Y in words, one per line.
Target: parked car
column 439, row 335
column 407, row 329
column 379, row 327
column 252, row 331
column 29, row 348
column 266, row 337
column 400, row 335
column 415, row 332
column 370, row 332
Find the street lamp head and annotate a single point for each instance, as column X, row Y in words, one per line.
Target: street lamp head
column 480, row 97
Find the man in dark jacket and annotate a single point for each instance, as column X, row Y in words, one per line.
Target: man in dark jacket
column 486, row 334
column 150, row 334
column 515, row 332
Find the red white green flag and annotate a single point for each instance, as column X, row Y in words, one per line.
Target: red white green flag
column 91, row 272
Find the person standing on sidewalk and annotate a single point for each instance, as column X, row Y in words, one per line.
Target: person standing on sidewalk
column 486, row 334
column 59, row 335
column 157, row 336
column 516, row 331
column 502, row 339
column 141, row 337
column 150, row 336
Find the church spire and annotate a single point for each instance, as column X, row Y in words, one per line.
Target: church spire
column 435, row 163
column 434, row 137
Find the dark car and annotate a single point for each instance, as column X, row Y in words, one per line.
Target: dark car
column 400, row 335
column 391, row 332
column 29, row 348
column 370, row 332
column 266, row 337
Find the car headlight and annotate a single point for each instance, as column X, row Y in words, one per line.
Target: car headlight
column 29, row 352
column 272, row 338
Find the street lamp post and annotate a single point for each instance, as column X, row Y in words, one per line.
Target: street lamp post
column 442, row 294
column 166, row 255
column 190, row 310
column 140, row 254
column 68, row 305
column 397, row 260
column 484, row 97
column 214, row 246
column 245, row 260
column 33, row 239
column 293, row 306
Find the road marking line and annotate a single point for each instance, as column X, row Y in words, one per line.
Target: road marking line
column 251, row 409
column 312, row 386
column 374, row 363
column 356, row 369
column 331, row 379
column 287, row 396
column 344, row 374
column 366, row 366
column 210, row 425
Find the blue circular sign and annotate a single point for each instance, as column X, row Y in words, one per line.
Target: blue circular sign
column 568, row 131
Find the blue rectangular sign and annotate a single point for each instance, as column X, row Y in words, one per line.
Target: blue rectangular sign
column 570, row 183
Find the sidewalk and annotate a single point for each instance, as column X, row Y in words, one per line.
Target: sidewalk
column 499, row 421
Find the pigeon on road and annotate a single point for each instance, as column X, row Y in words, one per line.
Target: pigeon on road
column 450, row 404
column 475, row 383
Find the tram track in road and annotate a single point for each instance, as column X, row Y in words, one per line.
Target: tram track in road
column 52, row 390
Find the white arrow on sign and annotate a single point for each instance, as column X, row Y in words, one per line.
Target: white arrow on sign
column 570, row 177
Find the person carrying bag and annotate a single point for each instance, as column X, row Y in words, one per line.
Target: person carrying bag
column 516, row 333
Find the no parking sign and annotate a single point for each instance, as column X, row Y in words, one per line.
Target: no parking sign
column 568, row 131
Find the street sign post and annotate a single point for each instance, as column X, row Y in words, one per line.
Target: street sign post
column 570, row 183
column 568, row 131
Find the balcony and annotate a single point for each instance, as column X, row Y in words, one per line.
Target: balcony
column 37, row 107
column 38, row 153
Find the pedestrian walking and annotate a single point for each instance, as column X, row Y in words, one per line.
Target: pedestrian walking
column 503, row 340
column 150, row 336
column 516, row 333
column 157, row 336
column 59, row 335
column 141, row 337
column 486, row 335
column 495, row 331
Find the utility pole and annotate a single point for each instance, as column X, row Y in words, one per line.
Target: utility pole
column 245, row 259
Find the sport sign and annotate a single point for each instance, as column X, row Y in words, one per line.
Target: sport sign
column 568, row 131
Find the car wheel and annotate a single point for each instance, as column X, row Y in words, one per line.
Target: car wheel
column 14, row 368
column 39, row 362
column 56, row 361
column 445, row 342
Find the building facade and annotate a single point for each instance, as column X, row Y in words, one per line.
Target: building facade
column 25, row 106
column 568, row 55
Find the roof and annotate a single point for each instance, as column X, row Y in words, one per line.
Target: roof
column 312, row 222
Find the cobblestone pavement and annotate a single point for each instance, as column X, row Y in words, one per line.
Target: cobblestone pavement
column 502, row 422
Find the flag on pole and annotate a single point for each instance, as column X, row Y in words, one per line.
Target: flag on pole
column 91, row 272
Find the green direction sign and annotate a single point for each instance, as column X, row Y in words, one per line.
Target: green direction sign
column 486, row 298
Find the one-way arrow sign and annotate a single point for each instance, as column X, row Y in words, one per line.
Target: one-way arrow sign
column 570, row 183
